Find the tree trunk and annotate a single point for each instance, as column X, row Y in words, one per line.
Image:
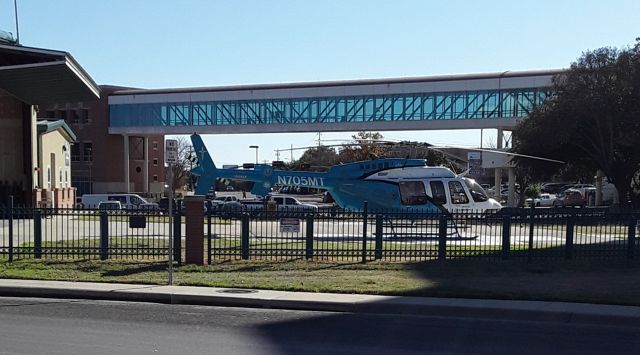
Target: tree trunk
column 623, row 194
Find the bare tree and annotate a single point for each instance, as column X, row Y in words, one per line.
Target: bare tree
column 182, row 167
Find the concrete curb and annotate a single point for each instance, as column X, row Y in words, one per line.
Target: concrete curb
column 626, row 316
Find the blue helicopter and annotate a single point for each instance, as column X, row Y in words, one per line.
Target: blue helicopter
column 390, row 184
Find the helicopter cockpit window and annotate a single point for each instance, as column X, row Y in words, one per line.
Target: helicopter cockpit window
column 456, row 190
column 412, row 193
column 477, row 192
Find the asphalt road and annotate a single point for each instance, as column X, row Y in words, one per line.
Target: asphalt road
column 41, row 326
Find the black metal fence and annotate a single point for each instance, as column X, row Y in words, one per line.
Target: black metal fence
column 326, row 234
column 83, row 234
column 412, row 236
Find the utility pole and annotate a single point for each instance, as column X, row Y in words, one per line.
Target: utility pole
column 256, row 148
column 15, row 8
column 171, row 156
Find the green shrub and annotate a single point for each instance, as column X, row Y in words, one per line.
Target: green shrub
column 532, row 191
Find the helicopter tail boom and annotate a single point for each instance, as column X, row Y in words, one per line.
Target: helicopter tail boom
column 206, row 169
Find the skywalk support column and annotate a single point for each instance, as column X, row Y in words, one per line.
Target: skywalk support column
column 599, row 176
column 127, row 178
column 145, row 165
column 498, row 171
column 511, row 200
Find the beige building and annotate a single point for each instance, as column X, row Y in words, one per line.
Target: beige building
column 53, row 173
column 30, row 78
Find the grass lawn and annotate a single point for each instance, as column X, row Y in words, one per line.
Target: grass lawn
column 611, row 282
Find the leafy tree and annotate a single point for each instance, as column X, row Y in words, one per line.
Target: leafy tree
column 532, row 191
column 318, row 158
column 368, row 146
column 592, row 121
column 371, row 145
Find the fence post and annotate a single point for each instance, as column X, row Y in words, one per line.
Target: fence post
column 177, row 237
column 379, row 227
column 104, row 235
column 209, row 235
column 442, row 237
column 11, row 229
column 568, row 250
column 37, row 234
column 309, row 237
column 531, row 226
column 506, row 236
column 631, row 238
column 244, row 241
column 365, row 222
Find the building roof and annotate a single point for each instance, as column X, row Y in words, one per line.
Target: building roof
column 43, row 76
column 45, row 126
column 418, row 79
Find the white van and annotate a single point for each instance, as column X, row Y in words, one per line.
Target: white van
column 128, row 201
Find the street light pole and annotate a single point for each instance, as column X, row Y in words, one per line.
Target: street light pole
column 90, row 150
column 256, row 148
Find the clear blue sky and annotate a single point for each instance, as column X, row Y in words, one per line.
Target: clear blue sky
column 157, row 44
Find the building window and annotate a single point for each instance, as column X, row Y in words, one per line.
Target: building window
column 62, row 114
column 155, row 178
column 84, row 115
column 155, row 145
column 82, row 183
column 75, row 152
column 75, row 118
column 49, row 177
column 155, row 161
column 88, row 152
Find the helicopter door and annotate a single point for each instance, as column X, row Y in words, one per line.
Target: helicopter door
column 412, row 193
column 438, row 193
column 459, row 198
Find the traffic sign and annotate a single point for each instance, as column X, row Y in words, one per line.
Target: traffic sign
column 171, row 151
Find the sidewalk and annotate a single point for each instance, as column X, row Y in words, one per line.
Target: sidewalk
column 443, row 307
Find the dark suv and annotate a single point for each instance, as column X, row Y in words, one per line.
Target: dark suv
column 163, row 204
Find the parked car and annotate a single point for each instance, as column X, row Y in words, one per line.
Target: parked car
column 109, row 205
column 279, row 202
column 581, row 187
column 223, row 199
column 128, row 201
column 544, row 200
column 327, row 198
column 554, row 187
column 570, row 198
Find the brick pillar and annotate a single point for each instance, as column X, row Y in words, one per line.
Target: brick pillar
column 194, row 239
